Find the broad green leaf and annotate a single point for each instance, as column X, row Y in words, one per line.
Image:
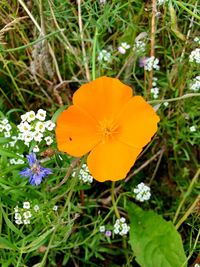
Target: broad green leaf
column 155, row 242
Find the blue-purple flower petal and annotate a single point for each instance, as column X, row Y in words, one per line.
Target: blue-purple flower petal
column 31, row 159
column 26, row 172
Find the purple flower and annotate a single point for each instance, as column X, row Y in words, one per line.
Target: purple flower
column 108, row 233
column 142, row 62
column 36, row 172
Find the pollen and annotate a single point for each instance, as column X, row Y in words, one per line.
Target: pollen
column 108, row 129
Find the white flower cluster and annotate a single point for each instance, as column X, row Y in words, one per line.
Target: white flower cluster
column 121, row 227
column 123, row 47
column 84, row 174
column 142, row 192
column 195, row 86
column 139, row 46
column 197, row 40
column 22, row 216
column 104, row 55
column 161, row 2
column 193, row 129
column 151, row 63
column 17, row 161
column 195, row 56
column 155, row 89
column 34, row 127
column 5, row 127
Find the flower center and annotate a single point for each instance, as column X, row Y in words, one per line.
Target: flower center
column 108, row 128
column 35, row 168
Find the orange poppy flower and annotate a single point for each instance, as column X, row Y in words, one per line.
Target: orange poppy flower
column 107, row 121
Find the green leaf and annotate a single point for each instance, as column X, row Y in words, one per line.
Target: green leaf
column 38, row 242
column 6, row 244
column 155, row 242
column 5, row 152
column 10, row 224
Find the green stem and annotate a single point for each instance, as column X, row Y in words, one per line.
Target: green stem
column 94, row 56
column 113, row 200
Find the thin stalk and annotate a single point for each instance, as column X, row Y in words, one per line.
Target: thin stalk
column 113, row 200
column 194, row 180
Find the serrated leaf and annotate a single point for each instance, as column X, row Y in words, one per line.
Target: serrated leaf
column 155, row 242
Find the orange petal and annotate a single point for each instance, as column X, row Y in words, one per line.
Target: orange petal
column 103, row 97
column 76, row 132
column 138, row 122
column 111, row 160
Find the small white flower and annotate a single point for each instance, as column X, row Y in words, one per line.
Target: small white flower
column 8, row 127
column 142, row 192
column 30, row 116
column 197, row 40
column 40, row 127
column 36, row 208
column 195, row 86
column 48, row 140
column 166, row 104
column 26, row 221
column 151, row 63
column 192, row 129
column 28, row 137
column 18, row 222
column 27, row 214
column 20, row 136
column 16, row 209
column 102, row 229
column 155, row 92
column 37, row 136
column 195, row 56
column 41, row 114
column 24, row 127
column 19, row 161
column 26, row 205
column 7, row 134
column 36, row 149
column 55, row 208
column 161, row 2
column 4, row 121
column 104, row 55
column 102, row 1
column 24, row 117
column 50, row 125
column 139, row 46
column 123, row 47
column 17, row 216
